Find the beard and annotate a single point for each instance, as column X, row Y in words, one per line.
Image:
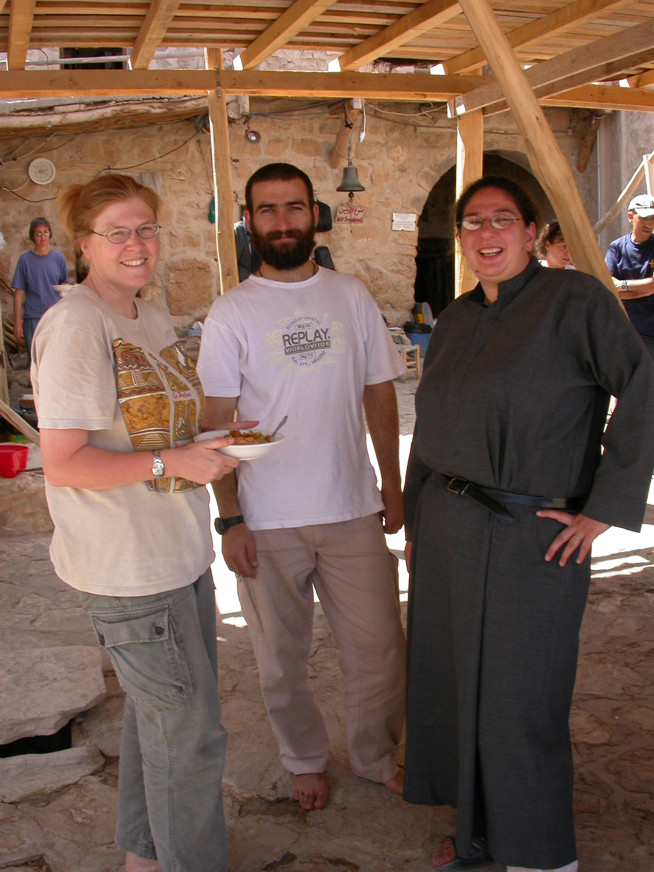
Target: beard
column 288, row 255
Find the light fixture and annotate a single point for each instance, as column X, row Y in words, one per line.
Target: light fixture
column 350, row 181
column 251, row 136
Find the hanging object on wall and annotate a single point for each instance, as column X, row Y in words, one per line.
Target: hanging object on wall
column 251, row 136
column 41, row 171
column 212, row 211
column 350, row 181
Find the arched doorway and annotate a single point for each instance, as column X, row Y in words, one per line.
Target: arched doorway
column 434, row 282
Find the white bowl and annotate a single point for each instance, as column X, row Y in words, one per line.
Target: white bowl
column 243, row 452
column 63, row 289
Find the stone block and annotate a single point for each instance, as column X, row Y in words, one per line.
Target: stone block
column 23, row 506
column 42, row 689
column 191, row 286
column 35, row 774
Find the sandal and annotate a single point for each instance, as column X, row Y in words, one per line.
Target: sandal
column 478, row 857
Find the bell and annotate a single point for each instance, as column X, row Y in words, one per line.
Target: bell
column 350, row 181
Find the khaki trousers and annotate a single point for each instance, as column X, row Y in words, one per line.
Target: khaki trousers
column 355, row 577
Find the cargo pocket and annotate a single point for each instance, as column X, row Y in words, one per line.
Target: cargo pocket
column 148, row 659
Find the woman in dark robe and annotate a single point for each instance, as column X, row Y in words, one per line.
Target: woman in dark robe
column 512, row 476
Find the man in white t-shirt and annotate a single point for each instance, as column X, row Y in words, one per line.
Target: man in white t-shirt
column 295, row 339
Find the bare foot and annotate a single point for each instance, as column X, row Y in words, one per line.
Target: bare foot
column 444, row 852
column 133, row 863
column 310, row 790
column 396, row 783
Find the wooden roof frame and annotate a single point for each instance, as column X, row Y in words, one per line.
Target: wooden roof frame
column 573, row 53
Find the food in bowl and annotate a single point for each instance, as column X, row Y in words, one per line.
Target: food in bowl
column 249, row 437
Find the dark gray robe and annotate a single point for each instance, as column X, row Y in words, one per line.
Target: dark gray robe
column 514, row 396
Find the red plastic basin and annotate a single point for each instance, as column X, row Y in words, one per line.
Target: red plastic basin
column 13, row 459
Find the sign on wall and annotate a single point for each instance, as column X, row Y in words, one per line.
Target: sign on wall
column 404, row 220
column 350, row 215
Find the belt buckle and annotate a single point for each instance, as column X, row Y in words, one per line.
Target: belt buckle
column 458, row 485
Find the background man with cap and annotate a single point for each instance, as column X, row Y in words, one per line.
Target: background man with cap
column 630, row 260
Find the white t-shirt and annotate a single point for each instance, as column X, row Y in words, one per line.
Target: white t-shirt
column 128, row 383
column 306, row 350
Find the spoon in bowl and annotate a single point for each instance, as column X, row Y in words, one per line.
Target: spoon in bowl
column 278, row 427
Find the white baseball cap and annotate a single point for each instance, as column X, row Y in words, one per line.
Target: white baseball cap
column 642, row 205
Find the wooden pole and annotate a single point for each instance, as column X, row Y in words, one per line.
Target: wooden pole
column 222, row 179
column 630, row 187
column 469, row 168
column 4, row 384
column 648, row 174
column 19, row 423
column 546, row 158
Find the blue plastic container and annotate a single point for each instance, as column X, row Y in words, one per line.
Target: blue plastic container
column 421, row 339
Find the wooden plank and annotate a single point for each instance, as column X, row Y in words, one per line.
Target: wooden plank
column 282, row 30
column 469, row 168
column 603, row 97
column 644, row 80
column 157, row 20
column 547, row 161
column 4, row 384
column 384, row 86
column 20, row 26
column 19, row 423
column 222, row 181
column 423, row 19
column 625, row 196
column 572, row 68
column 574, row 13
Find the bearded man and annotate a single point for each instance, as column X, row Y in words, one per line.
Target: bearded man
column 299, row 340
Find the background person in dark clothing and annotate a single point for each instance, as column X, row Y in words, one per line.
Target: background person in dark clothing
column 630, row 260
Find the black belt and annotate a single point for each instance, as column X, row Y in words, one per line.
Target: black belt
column 494, row 500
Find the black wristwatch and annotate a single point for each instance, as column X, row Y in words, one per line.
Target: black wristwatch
column 223, row 524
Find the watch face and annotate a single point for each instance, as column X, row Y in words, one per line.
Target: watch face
column 157, row 466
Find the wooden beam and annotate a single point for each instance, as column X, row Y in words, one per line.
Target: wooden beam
column 545, row 156
column 610, row 54
column 20, row 27
column 111, row 83
column 282, row 30
column 469, row 168
column 380, row 86
column 644, row 80
column 548, row 25
column 151, row 33
column 424, row 18
column 603, row 97
column 628, row 190
column 222, row 180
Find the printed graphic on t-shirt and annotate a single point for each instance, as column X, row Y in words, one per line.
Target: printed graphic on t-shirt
column 305, row 340
column 146, row 404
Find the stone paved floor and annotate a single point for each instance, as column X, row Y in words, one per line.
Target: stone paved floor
column 364, row 827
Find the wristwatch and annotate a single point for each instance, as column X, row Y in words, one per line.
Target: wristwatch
column 624, row 286
column 223, row 524
column 157, row 465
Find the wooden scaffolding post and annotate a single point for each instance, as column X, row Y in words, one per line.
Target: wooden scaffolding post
column 222, row 179
column 469, row 167
column 546, row 158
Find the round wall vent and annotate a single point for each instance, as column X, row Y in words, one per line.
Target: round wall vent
column 41, row 171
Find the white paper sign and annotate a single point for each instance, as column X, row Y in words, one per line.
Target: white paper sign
column 404, row 220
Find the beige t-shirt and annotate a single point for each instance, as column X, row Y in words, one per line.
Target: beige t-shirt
column 129, row 384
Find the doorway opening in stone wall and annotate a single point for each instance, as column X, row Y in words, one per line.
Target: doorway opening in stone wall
column 434, row 283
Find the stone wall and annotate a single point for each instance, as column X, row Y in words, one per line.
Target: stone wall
column 406, row 150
